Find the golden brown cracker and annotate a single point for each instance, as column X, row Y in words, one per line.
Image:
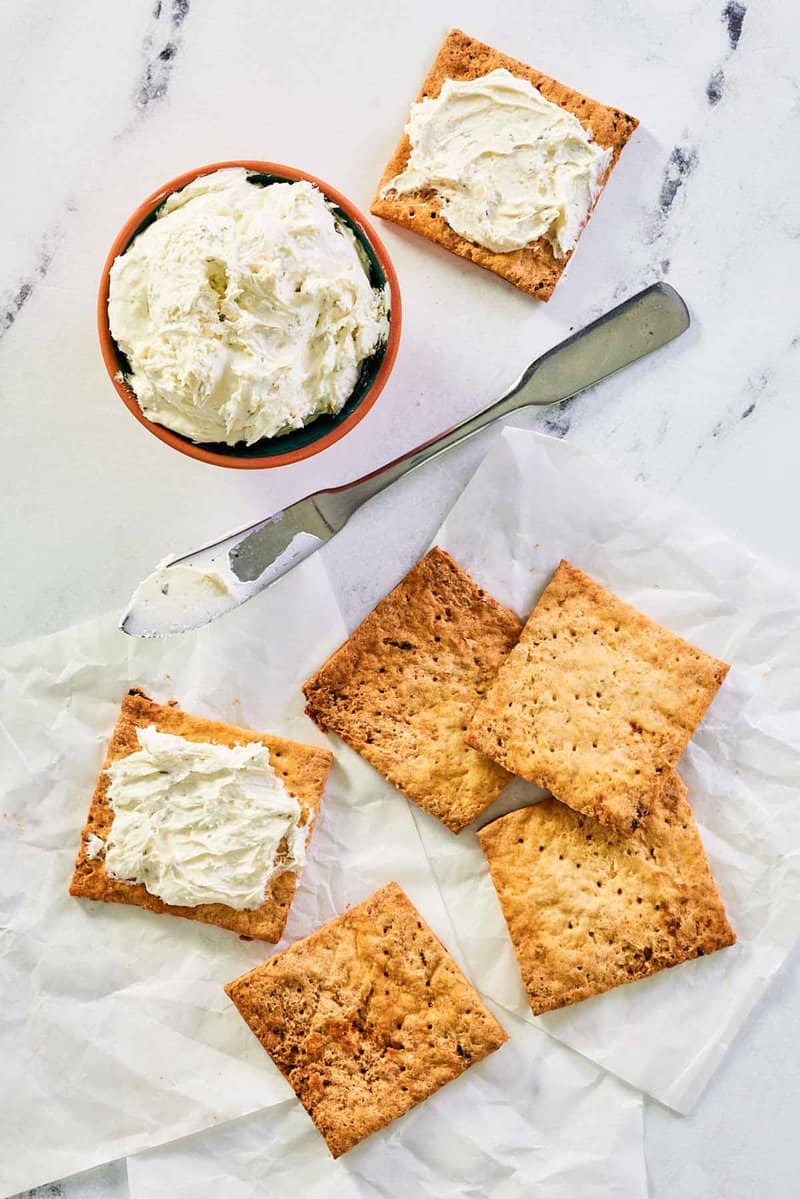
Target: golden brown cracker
column 303, row 770
column 402, row 687
column 588, row 909
column 366, row 1017
column 595, row 701
column 535, row 268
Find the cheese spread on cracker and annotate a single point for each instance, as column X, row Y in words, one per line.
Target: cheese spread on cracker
column 508, row 167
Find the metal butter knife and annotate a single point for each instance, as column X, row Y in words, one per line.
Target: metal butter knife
column 187, row 592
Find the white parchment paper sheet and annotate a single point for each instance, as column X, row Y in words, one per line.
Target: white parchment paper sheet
column 535, row 500
column 115, row 1033
column 531, row 1119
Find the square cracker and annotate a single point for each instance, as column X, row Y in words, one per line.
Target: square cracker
column 595, row 701
column 588, row 909
column 366, row 1017
column 303, row 768
column 402, row 687
column 535, row 268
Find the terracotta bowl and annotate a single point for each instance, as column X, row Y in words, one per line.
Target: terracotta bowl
column 319, row 434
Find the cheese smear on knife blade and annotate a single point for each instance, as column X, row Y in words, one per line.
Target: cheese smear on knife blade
column 201, row 823
column 175, row 598
column 244, row 311
column 508, row 166
column 185, row 594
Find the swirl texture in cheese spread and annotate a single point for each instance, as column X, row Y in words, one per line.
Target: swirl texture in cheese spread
column 508, row 166
column 244, row 311
column 200, row 823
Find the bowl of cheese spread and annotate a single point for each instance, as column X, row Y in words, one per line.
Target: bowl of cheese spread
column 249, row 315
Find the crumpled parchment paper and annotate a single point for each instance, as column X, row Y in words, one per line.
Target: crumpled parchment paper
column 115, row 1033
column 531, row 1119
column 535, row 500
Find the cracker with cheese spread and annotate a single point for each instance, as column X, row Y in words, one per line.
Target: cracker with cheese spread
column 455, row 196
column 301, row 769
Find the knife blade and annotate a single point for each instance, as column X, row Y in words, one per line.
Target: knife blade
column 187, row 592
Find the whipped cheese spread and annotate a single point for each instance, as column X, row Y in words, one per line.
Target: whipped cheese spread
column 508, row 166
column 200, row 823
column 95, row 846
column 244, row 311
column 175, row 598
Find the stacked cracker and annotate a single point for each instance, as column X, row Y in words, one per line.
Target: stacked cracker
column 445, row 694
column 595, row 702
column 402, row 688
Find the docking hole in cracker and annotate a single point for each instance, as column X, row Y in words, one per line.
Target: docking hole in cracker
column 588, row 909
column 595, row 702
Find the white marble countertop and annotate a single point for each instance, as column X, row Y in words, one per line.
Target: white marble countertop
column 103, row 103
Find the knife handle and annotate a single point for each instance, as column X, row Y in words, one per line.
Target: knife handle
column 641, row 324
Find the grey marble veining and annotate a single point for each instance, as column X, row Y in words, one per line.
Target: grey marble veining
column 106, row 1182
column 160, row 50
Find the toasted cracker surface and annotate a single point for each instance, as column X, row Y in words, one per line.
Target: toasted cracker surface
column 588, row 909
column 366, row 1017
column 535, row 268
column 401, row 689
column 595, row 701
column 303, row 769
